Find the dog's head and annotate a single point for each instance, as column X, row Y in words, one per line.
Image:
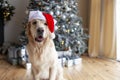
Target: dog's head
column 38, row 30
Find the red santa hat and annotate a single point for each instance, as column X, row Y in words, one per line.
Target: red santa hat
column 44, row 16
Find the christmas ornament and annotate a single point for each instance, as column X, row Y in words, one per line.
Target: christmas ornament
column 68, row 8
column 78, row 42
column 58, row 7
column 47, row 8
column 72, row 15
column 62, row 42
column 63, row 26
column 51, row 12
column 72, row 30
column 63, row 17
column 39, row 3
column 57, row 12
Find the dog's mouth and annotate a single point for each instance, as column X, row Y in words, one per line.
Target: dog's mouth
column 39, row 39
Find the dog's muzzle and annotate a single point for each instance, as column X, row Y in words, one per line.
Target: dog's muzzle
column 39, row 37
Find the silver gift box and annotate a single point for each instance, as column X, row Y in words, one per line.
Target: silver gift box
column 12, row 52
column 62, row 61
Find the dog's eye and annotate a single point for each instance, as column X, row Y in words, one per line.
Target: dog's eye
column 45, row 24
column 35, row 22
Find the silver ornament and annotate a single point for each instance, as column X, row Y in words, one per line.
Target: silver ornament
column 76, row 3
column 5, row 4
column 72, row 30
column 63, row 26
column 72, row 15
column 57, row 12
column 77, row 23
column 58, row 7
column 72, row 2
column 56, row 28
column 78, row 42
column 63, row 17
column 68, row 8
column 74, row 6
column 65, row 3
column 52, row 13
column 47, row 8
column 75, row 28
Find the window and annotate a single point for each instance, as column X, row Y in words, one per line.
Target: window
column 117, row 24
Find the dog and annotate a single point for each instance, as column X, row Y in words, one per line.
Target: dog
column 42, row 52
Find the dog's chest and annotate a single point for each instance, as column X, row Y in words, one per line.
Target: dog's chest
column 43, row 62
column 42, row 59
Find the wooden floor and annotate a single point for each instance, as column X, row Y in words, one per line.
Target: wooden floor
column 89, row 69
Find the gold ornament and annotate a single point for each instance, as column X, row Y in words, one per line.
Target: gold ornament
column 68, row 31
column 62, row 42
column 39, row 3
column 8, row 14
column 58, row 27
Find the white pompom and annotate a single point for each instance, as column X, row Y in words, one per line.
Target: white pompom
column 52, row 36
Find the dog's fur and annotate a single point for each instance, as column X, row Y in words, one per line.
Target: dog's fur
column 42, row 54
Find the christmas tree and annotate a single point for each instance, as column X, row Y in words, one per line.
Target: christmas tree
column 69, row 32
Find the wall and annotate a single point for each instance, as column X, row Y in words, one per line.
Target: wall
column 13, row 28
column 83, row 6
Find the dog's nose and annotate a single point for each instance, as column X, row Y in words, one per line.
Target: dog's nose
column 40, row 31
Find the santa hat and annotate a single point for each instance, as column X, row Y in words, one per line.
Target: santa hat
column 44, row 16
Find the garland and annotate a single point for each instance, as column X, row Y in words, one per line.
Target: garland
column 7, row 10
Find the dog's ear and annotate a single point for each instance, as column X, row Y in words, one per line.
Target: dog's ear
column 28, row 26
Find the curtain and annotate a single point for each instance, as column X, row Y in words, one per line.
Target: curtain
column 102, row 42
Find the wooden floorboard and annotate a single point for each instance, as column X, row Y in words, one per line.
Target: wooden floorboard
column 88, row 69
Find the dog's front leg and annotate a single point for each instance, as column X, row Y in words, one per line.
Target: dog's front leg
column 52, row 73
column 35, row 75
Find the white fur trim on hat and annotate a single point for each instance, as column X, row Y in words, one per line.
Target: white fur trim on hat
column 36, row 15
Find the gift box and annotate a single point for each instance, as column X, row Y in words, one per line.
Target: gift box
column 69, row 61
column 12, row 55
column 77, row 60
column 12, row 52
column 64, row 53
column 23, row 56
column 61, row 61
column 18, row 56
column 72, row 60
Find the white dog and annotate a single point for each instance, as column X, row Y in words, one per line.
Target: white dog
column 41, row 48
